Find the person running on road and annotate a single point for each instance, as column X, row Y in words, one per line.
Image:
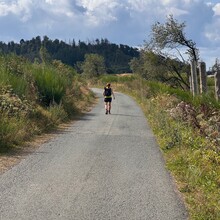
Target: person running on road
column 108, row 93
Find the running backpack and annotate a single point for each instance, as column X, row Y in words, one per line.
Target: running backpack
column 108, row 92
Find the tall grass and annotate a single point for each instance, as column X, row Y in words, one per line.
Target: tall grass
column 12, row 131
column 12, row 73
column 51, row 85
column 35, row 98
column 192, row 158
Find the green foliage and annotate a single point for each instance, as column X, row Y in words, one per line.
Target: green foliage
column 210, row 81
column 93, row 66
column 37, row 97
column 12, row 131
column 13, row 73
column 109, row 78
column 44, row 55
column 12, row 105
column 208, row 100
column 51, row 85
column 171, row 35
column 118, row 78
column 58, row 114
column 43, row 50
column 153, row 66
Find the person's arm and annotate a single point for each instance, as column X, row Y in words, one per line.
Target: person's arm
column 113, row 94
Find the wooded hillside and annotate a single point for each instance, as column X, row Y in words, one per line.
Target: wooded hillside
column 117, row 57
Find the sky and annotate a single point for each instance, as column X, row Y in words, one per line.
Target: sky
column 127, row 22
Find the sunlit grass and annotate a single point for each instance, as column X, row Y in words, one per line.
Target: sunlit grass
column 35, row 98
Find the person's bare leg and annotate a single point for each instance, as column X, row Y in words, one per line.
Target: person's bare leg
column 109, row 108
column 106, row 107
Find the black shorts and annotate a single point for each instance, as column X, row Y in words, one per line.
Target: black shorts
column 108, row 99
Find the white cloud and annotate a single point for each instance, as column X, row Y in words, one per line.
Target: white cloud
column 57, row 8
column 24, row 9
column 216, row 9
column 157, row 10
column 4, row 9
column 212, row 31
column 92, row 5
column 139, row 5
column 120, row 21
column 49, row 1
column 98, row 12
column 20, row 8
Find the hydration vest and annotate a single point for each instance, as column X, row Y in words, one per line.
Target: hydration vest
column 107, row 92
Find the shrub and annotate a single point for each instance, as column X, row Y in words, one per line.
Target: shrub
column 35, row 98
column 12, row 72
column 12, row 105
column 51, row 85
column 12, row 131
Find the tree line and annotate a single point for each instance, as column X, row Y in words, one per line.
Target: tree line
column 116, row 57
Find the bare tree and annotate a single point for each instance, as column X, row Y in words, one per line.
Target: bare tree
column 169, row 41
column 171, row 36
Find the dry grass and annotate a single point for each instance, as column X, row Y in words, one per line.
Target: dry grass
column 41, row 130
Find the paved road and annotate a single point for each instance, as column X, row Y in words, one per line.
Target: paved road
column 102, row 167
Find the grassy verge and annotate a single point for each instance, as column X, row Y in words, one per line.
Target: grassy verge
column 187, row 132
column 35, row 98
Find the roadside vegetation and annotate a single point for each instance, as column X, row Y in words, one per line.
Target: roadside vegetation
column 36, row 97
column 187, row 131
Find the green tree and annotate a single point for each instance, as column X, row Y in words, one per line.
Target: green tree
column 93, row 66
column 170, row 35
column 149, row 66
column 44, row 55
column 138, row 66
column 165, row 46
column 116, row 57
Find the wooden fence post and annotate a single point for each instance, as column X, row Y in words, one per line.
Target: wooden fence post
column 194, row 79
column 217, row 85
column 203, row 77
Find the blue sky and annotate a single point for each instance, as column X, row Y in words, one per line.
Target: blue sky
column 120, row 21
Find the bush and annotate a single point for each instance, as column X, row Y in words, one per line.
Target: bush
column 35, row 98
column 12, row 72
column 12, row 131
column 51, row 85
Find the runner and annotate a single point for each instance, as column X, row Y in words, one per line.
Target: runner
column 108, row 93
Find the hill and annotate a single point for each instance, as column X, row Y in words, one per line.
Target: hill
column 117, row 57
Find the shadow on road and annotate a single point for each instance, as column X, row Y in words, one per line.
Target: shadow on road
column 136, row 116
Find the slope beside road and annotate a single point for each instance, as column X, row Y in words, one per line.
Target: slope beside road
column 101, row 167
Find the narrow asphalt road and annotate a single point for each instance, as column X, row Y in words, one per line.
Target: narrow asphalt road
column 102, row 167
